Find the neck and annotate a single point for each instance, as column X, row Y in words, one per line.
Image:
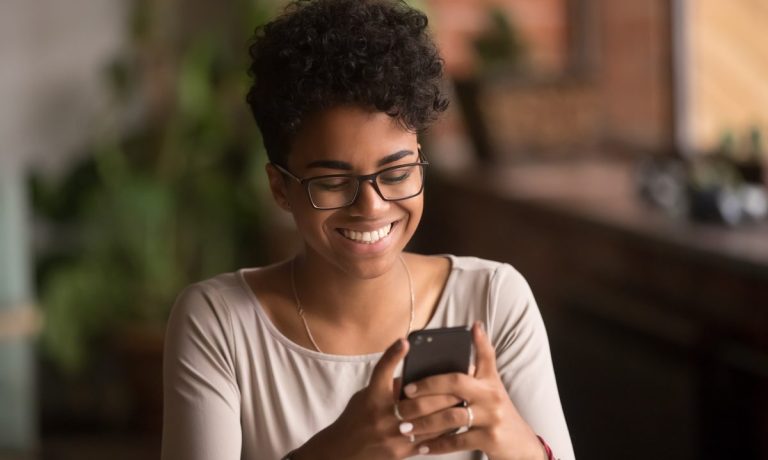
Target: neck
column 327, row 293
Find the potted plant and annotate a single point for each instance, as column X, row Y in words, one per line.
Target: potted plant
column 501, row 53
column 174, row 200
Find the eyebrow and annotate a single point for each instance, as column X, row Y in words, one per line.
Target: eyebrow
column 332, row 164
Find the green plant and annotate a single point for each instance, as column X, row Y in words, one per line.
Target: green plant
column 500, row 46
column 174, row 201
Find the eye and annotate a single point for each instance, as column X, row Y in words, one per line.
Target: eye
column 395, row 176
column 332, row 184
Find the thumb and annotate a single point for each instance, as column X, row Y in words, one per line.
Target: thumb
column 485, row 354
column 381, row 378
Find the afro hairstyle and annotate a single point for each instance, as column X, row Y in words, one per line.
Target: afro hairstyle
column 319, row 54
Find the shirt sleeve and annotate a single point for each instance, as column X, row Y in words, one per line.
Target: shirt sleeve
column 524, row 360
column 201, row 418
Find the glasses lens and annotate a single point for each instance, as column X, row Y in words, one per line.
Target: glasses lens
column 338, row 191
column 332, row 192
column 401, row 183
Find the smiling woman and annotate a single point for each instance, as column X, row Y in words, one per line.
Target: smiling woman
column 299, row 359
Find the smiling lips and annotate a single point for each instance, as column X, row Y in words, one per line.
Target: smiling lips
column 367, row 237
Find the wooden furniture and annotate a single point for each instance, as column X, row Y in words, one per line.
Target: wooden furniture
column 658, row 327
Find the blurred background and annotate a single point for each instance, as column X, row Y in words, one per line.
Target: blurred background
column 611, row 150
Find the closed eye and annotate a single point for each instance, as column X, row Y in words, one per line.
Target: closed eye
column 332, row 184
column 395, row 178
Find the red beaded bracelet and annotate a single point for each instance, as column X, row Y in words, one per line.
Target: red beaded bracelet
column 546, row 448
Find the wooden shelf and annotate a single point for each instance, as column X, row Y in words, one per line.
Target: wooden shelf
column 657, row 325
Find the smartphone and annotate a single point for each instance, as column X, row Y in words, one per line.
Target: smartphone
column 437, row 351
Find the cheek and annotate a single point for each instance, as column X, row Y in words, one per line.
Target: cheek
column 415, row 211
column 312, row 223
column 304, row 215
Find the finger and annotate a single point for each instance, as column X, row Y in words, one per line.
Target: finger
column 446, row 420
column 456, row 384
column 420, row 438
column 396, row 384
column 469, row 440
column 411, row 445
column 419, row 407
column 381, row 377
column 485, row 353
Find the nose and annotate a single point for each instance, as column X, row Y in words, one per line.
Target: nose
column 368, row 202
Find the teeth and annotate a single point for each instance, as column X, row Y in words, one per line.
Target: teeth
column 368, row 237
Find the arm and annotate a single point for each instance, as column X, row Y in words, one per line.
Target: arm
column 512, row 395
column 201, row 418
column 523, row 359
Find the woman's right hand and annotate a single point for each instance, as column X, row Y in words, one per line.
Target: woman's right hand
column 368, row 427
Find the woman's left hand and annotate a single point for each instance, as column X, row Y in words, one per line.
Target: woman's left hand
column 497, row 428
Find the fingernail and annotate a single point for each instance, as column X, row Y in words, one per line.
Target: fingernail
column 406, row 427
column 399, row 344
column 410, row 389
column 423, row 450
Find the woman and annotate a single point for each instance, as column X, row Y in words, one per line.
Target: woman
column 299, row 359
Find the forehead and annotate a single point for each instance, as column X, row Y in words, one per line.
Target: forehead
column 350, row 134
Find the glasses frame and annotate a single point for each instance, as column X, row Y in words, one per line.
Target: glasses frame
column 304, row 182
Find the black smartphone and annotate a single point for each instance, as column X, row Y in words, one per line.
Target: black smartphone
column 437, row 351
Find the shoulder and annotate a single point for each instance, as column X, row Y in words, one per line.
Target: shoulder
column 210, row 303
column 213, row 291
column 497, row 292
column 467, row 269
column 498, row 277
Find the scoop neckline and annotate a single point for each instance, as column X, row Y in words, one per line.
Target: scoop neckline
column 295, row 347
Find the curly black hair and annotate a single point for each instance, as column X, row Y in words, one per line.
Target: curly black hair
column 318, row 54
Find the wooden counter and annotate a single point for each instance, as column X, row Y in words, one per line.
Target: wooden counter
column 658, row 326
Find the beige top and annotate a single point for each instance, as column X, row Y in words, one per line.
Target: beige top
column 236, row 387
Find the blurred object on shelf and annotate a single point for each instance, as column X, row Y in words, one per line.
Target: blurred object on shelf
column 726, row 186
column 612, row 91
column 501, row 47
column 544, row 26
column 537, row 118
column 752, row 164
column 661, row 182
column 500, row 51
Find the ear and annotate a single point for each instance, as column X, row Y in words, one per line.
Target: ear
column 277, row 187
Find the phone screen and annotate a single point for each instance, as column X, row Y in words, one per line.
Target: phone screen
column 437, row 351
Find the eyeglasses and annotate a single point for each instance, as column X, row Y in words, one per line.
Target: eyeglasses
column 341, row 190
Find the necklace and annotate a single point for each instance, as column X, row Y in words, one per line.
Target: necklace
column 301, row 310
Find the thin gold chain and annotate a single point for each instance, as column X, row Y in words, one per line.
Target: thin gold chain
column 300, row 310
